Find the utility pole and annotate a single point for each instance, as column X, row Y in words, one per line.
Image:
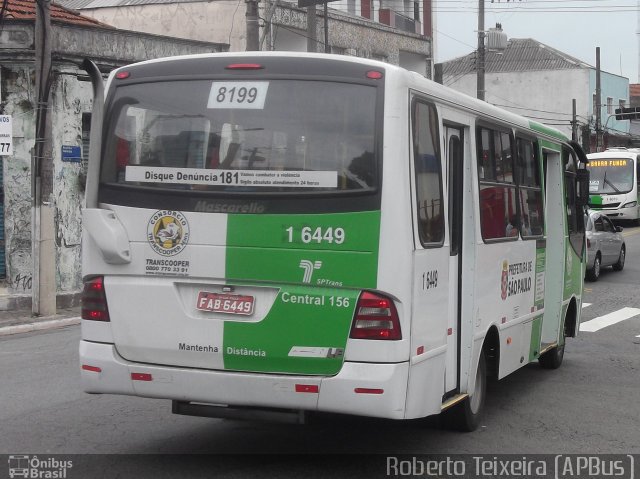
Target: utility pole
column 327, row 48
column 267, row 31
column 481, row 52
column 597, row 106
column 312, row 31
column 43, row 299
column 253, row 27
column 574, row 122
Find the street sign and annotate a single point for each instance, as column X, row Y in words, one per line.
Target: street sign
column 6, row 135
column 72, row 154
column 632, row 113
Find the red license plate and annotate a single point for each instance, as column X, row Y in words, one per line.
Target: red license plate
column 225, row 303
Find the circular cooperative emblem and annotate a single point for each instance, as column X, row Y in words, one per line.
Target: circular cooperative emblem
column 168, row 232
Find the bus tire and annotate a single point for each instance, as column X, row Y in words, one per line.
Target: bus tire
column 552, row 359
column 465, row 416
column 594, row 273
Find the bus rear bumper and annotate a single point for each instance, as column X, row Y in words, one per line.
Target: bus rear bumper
column 377, row 390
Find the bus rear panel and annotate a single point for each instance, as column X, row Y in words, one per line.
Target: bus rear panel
column 234, row 253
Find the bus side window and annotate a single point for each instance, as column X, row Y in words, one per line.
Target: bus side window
column 530, row 189
column 430, row 207
column 575, row 224
column 498, row 204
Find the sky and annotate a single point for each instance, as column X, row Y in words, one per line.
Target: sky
column 575, row 27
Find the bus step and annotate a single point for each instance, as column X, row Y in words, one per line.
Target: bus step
column 289, row 416
column 452, row 401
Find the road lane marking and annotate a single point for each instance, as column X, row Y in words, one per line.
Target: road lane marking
column 609, row 319
column 586, row 305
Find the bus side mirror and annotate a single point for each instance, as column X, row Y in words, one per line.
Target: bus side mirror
column 582, row 187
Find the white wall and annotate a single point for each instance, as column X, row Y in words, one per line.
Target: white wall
column 414, row 62
column 289, row 40
column 218, row 22
column 545, row 96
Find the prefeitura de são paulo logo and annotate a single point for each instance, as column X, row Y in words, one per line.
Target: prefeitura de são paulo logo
column 505, row 279
column 168, row 232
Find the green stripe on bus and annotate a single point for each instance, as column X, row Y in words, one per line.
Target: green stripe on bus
column 595, row 200
column 326, row 249
column 536, row 332
column 539, row 127
column 319, row 263
column 305, row 332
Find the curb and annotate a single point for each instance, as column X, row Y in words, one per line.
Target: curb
column 39, row 326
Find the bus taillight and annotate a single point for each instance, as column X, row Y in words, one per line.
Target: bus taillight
column 376, row 318
column 94, row 300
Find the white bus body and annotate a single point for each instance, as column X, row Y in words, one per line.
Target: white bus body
column 355, row 239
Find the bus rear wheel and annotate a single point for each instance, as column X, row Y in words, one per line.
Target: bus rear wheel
column 552, row 359
column 466, row 416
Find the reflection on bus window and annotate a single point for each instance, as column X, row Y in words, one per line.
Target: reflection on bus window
column 498, row 204
column 530, row 189
column 575, row 222
column 428, row 174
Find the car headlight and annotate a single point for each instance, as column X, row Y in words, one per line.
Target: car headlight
column 631, row 204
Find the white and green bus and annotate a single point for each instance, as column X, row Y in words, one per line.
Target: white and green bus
column 614, row 184
column 271, row 234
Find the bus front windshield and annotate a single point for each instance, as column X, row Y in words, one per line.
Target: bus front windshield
column 610, row 175
column 242, row 136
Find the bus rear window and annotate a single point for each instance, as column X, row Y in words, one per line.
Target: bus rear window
column 242, row 136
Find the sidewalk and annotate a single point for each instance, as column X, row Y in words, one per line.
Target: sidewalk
column 22, row 321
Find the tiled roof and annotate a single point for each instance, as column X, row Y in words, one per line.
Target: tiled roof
column 26, row 10
column 521, row 54
column 634, row 89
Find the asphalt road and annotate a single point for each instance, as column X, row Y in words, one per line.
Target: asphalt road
column 590, row 404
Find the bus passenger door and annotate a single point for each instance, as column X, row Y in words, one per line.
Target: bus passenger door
column 454, row 157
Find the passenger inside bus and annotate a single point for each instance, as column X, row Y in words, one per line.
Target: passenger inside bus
column 512, row 226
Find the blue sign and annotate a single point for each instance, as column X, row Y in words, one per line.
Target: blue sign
column 71, row 154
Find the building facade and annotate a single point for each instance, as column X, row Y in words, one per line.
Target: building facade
column 540, row 82
column 395, row 31
column 73, row 38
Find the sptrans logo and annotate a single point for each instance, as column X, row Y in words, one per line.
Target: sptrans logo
column 168, row 232
column 33, row 467
column 308, row 267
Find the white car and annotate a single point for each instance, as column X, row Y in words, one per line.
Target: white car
column 605, row 244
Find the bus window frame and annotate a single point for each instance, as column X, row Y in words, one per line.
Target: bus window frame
column 493, row 128
column 540, row 188
column 183, row 195
column 568, row 155
column 415, row 100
